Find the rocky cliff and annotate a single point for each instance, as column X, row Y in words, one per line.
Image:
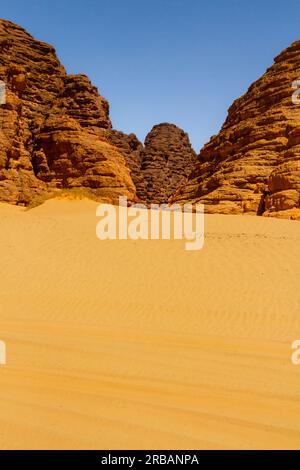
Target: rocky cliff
column 53, row 127
column 166, row 161
column 160, row 165
column 253, row 165
column 55, row 133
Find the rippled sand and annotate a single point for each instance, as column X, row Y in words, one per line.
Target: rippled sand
column 141, row 344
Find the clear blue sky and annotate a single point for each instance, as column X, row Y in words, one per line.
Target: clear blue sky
column 180, row 61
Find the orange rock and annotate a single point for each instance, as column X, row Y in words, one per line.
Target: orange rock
column 53, row 127
column 253, row 164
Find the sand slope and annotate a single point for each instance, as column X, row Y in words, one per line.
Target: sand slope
column 141, row 344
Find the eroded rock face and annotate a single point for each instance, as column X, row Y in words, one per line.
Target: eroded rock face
column 253, row 165
column 166, row 160
column 53, row 127
column 131, row 148
column 160, row 165
column 55, row 132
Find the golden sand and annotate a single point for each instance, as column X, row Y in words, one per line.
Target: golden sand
column 143, row 345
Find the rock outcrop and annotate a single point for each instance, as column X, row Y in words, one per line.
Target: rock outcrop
column 131, row 148
column 55, row 133
column 166, row 161
column 160, row 165
column 253, row 165
column 53, row 127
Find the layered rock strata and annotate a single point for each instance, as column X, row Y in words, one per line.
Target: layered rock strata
column 166, row 161
column 253, row 165
column 53, row 126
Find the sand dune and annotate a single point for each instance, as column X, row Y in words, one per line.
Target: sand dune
column 143, row 345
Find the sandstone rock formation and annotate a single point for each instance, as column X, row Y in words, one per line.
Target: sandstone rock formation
column 53, row 127
column 161, row 165
column 167, row 159
column 253, row 165
column 55, row 132
column 131, row 148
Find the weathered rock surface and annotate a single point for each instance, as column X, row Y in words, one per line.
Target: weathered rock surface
column 166, row 160
column 55, row 132
column 161, row 164
column 131, row 148
column 253, row 165
column 53, row 127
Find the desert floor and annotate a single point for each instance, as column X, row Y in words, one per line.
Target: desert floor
column 143, row 345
